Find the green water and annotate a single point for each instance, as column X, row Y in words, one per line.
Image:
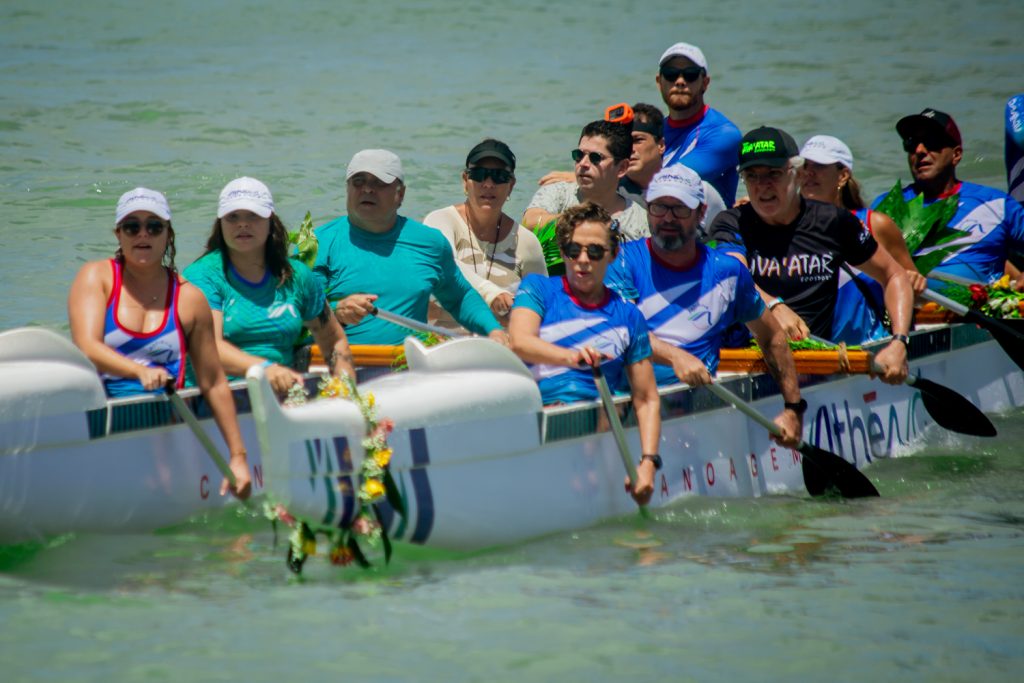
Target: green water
column 98, row 97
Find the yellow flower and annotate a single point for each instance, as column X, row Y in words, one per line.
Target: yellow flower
column 374, row 488
column 382, row 457
column 370, row 399
column 1003, row 282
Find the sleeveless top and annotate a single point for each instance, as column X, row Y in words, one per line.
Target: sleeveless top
column 163, row 347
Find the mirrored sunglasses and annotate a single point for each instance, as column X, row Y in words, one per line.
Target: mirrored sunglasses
column 595, row 252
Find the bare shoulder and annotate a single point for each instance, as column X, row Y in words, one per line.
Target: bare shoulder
column 191, row 303
column 93, row 277
column 882, row 222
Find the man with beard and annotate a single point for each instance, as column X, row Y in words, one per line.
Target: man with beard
column 990, row 223
column 695, row 134
column 690, row 293
column 602, row 158
column 795, row 248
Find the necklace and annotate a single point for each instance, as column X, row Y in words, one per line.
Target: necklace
column 494, row 249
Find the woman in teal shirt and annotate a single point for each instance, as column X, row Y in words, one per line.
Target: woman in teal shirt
column 260, row 298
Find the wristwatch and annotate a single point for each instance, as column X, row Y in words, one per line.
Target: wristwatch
column 800, row 407
column 653, row 457
column 902, row 338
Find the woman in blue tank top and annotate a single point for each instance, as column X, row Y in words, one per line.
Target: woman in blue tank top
column 136, row 320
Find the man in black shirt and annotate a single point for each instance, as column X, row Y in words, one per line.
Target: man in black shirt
column 794, row 248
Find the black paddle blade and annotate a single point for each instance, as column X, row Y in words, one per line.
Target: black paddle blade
column 826, row 472
column 1005, row 334
column 952, row 410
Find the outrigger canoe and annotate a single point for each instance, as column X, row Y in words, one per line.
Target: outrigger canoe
column 480, row 461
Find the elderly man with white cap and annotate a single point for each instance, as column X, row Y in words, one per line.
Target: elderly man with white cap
column 795, row 249
column 374, row 257
column 690, row 294
column 695, row 134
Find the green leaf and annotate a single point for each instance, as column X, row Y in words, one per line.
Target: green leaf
column 549, row 245
column 304, row 239
column 923, row 226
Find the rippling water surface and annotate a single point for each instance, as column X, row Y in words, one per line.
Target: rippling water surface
column 98, row 97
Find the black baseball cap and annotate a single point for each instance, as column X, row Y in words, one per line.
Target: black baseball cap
column 492, row 149
column 767, row 146
column 930, row 121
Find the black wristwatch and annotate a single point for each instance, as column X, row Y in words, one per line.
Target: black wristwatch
column 902, row 338
column 800, row 407
column 654, row 457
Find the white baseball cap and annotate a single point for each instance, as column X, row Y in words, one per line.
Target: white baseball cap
column 245, row 194
column 381, row 163
column 678, row 181
column 143, row 199
column 691, row 52
column 825, row 149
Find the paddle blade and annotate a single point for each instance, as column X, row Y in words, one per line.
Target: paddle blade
column 1007, row 337
column 952, row 410
column 826, row 472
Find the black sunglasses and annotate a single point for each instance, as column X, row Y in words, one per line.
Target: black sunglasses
column 931, row 142
column 689, row 73
column 594, row 157
column 133, row 226
column 500, row 176
column 573, row 250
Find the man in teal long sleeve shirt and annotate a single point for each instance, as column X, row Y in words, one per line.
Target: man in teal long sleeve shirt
column 374, row 257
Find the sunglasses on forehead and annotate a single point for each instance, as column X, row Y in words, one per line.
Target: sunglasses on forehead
column 133, row 226
column 500, row 176
column 595, row 252
column 689, row 73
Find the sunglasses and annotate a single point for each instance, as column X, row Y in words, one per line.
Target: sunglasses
column 595, row 252
column 133, row 227
column 689, row 73
column 678, row 210
column 500, row 176
column 932, row 143
column 594, row 157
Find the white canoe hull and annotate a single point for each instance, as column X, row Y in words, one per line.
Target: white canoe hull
column 471, row 456
column 61, row 472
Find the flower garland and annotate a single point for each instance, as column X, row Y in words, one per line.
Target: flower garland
column 998, row 300
column 375, row 485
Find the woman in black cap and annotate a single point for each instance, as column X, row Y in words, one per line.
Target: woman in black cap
column 493, row 250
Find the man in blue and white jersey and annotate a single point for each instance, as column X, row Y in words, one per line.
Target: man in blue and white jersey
column 988, row 225
column 696, row 135
column 690, row 293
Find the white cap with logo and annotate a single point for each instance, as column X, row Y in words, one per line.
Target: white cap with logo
column 245, row 194
column 825, row 149
column 143, row 199
column 678, row 181
column 691, row 52
column 381, row 163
